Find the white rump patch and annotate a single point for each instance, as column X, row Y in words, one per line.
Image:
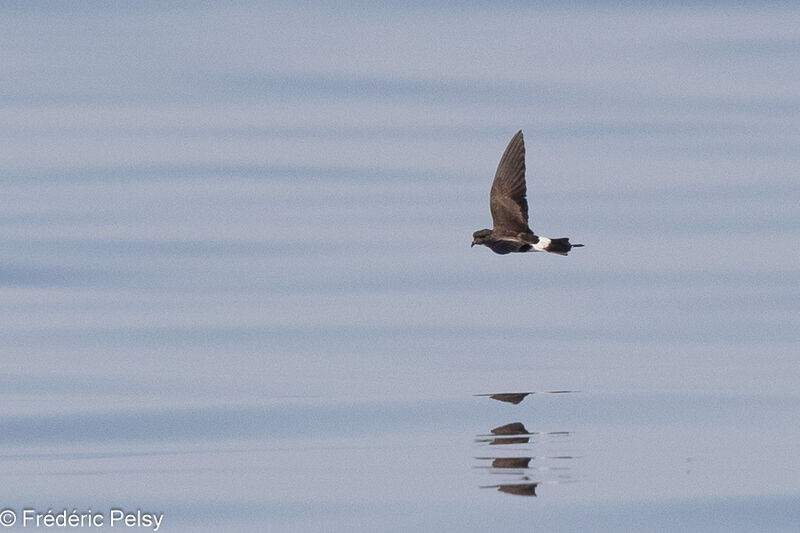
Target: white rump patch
column 542, row 245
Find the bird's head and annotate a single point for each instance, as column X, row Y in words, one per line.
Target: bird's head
column 480, row 237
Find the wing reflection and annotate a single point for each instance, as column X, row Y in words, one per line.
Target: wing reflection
column 517, row 397
column 508, row 397
column 511, row 462
column 514, row 428
column 525, row 489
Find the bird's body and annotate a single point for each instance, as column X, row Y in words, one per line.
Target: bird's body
column 509, row 208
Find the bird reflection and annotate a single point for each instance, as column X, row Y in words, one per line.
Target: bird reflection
column 517, row 470
column 511, row 462
column 525, row 489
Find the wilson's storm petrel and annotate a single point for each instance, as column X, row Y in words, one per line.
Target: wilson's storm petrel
column 510, row 210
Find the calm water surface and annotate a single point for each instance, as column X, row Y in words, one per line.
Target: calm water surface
column 236, row 285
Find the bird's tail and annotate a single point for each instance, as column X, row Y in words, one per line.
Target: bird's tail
column 560, row 246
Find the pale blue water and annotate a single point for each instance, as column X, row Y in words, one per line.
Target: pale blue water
column 236, row 285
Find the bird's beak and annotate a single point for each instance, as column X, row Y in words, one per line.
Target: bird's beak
column 473, row 244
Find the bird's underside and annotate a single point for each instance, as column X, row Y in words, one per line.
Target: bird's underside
column 528, row 242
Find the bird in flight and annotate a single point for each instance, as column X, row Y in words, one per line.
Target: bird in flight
column 509, row 207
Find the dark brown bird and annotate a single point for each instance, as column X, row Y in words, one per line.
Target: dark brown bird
column 509, row 207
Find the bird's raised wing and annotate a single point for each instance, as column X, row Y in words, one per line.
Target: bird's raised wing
column 507, row 199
